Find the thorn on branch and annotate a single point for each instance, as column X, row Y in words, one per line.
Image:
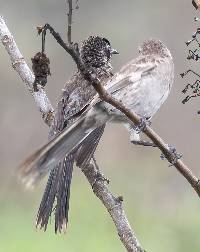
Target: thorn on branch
column 119, row 199
column 99, row 177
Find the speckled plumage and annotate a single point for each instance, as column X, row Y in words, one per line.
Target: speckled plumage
column 96, row 54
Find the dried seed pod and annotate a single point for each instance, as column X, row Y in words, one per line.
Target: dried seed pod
column 41, row 69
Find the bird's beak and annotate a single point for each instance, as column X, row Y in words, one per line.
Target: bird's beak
column 113, row 51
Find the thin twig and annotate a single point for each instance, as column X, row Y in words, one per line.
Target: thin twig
column 69, row 14
column 25, row 73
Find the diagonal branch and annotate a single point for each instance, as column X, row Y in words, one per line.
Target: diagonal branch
column 91, row 171
column 19, row 64
column 133, row 117
column 113, row 205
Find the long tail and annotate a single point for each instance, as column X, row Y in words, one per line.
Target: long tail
column 46, row 158
column 88, row 146
column 57, row 192
column 63, row 194
column 48, row 199
column 57, row 189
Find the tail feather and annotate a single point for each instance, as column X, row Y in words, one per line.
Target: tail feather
column 63, row 194
column 57, row 192
column 48, row 199
column 88, row 146
column 37, row 165
column 56, row 196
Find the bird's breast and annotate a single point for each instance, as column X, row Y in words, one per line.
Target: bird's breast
column 146, row 95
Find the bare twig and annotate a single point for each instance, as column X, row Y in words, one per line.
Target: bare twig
column 69, row 14
column 91, row 171
column 113, row 205
column 25, row 73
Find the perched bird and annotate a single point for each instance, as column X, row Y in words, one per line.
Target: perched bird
column 142, row 86
column 96, row 53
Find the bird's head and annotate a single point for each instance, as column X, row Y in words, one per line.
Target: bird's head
column 97, row 52
column 154, row 47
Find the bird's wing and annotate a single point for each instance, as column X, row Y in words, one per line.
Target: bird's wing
column 76, row 96
column 88, row 147
column 131, row 73
column 45, row 158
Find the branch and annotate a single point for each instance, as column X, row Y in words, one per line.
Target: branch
column 133, row 117
column 69, row 14
column 91, row 171
column 113, row 205
column 19, row 64
column 156, row 139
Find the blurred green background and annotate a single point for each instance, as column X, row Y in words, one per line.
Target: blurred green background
column 162, row 208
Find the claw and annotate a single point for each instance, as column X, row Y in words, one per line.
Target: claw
column 143, row 143
column 142, row 125
column 175, row 154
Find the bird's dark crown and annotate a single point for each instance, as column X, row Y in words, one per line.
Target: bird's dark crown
column 154, row 47
column 96, row 52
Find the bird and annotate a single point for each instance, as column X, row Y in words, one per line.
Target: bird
column 96, row 53
column 142, row 85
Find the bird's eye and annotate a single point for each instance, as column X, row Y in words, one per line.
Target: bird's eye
column 106, row 41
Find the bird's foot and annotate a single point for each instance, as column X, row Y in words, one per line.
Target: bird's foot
column 143, row 143
column 142, row 125
column 175, row 156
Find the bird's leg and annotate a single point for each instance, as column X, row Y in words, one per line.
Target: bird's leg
column 143, row 143
column 175, row 154
column 134, row 132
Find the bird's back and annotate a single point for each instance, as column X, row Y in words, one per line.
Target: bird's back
column 76, row 95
